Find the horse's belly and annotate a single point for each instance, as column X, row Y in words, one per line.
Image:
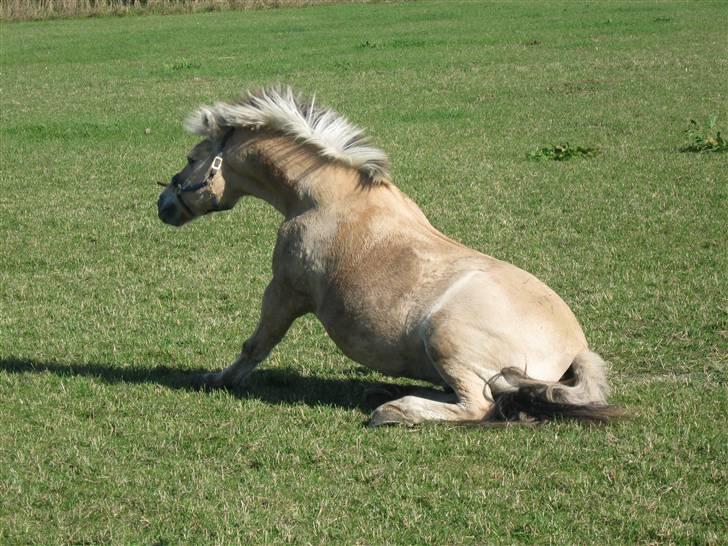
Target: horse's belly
column 380, row 342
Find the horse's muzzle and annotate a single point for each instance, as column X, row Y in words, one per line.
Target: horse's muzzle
column 168, row 211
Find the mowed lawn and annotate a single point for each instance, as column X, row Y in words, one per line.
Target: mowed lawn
column 104, row 311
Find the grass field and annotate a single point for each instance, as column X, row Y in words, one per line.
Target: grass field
column 104, row 310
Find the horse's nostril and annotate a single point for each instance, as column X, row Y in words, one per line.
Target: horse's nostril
column 166, row 211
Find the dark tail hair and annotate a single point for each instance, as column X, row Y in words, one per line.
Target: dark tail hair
column 581, row 394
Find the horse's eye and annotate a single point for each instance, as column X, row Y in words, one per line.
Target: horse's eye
column 190, row 161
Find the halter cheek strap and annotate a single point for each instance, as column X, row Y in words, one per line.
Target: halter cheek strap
column 211, row 172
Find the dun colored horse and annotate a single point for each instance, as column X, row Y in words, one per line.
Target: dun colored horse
column 393, row 292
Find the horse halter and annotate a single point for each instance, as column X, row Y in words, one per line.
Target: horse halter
column 215, row 166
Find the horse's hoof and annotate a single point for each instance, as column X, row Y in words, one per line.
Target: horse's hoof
column 207, row 381
column 388, row 415
column 219, row 380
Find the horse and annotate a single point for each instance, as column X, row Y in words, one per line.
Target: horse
column 392, row 292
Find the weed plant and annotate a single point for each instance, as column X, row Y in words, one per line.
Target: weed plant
column 700, row 139
column 562, row 152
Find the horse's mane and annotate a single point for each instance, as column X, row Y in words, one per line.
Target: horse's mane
column 332, row 135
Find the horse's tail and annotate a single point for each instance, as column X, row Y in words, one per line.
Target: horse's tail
column 580, row 394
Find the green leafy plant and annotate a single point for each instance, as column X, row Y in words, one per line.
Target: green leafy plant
column 182, row 64
column 700, row 140
column 562, row 152
column 366, row 44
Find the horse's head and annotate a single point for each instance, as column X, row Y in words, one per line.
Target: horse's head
column 272, row 145
column 199, row 188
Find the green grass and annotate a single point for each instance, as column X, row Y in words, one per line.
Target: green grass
column 104, row 310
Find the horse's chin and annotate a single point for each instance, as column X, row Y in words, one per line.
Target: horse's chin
column 173, row 223
column 176, row 220
column 170, row 216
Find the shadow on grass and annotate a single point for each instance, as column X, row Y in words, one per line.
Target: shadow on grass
column 276, row 386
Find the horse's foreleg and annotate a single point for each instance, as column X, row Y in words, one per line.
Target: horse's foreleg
column 280, row 308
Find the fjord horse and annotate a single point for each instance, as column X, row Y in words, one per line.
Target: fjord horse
column 393, row 292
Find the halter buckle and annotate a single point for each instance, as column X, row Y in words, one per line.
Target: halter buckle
column 216, row 163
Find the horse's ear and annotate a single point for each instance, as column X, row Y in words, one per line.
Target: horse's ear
column 203, row 122
column 208, row 120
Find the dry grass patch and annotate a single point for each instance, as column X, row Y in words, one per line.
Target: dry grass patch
column 24, row 10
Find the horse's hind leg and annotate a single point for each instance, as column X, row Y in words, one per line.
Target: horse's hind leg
column 467, row 402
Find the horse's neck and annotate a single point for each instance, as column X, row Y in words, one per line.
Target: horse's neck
column 299, row 178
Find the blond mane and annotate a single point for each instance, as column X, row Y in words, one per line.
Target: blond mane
column 332, row 135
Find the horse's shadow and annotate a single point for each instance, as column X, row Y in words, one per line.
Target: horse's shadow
column 275, row 386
